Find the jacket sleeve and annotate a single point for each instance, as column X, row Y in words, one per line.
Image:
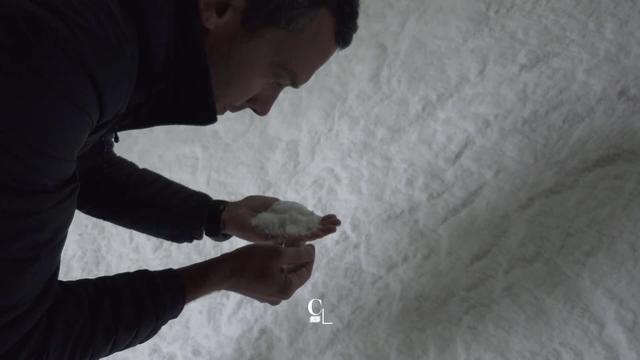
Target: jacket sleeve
column 43, row 125
column 48, row 106
column 41, row 316
column 117, row 190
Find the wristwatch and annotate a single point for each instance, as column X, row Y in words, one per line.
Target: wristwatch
column 214, row 226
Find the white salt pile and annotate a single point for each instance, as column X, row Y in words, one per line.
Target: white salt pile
column 287, row 218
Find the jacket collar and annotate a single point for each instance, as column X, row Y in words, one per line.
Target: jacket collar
column 173, row 74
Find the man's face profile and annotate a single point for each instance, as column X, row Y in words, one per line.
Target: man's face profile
column 249, row 70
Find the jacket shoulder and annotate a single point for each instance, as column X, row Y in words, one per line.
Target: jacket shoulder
column 91, row 42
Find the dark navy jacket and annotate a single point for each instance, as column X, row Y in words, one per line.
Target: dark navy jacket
column 72, row 74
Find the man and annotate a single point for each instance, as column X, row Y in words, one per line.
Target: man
column 72, row 74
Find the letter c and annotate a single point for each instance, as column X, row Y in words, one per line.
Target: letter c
column 310, row 307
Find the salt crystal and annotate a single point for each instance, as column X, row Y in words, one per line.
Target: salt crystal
column 287, row 218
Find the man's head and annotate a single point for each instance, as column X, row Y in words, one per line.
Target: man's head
column 256, row 48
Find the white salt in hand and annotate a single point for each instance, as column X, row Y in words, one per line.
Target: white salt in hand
column 287, row 218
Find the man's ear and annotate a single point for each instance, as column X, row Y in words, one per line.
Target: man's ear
column 214, row 13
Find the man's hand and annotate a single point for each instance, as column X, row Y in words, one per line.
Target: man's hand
column 238, row 215
column 264, row 272
column 268, row 273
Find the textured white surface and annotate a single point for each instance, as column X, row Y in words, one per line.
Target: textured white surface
column 484, row 158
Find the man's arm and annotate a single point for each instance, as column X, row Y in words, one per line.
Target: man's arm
column 43, row 126
column 48, row 106
column 117, row 190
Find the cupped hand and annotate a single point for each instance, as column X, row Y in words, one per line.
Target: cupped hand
column 238, row 215
column 268, row 273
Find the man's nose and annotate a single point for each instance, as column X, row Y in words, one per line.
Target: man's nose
column 261, row 104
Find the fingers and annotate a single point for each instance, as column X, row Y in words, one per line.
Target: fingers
column 327, row 225
column 299, row 240
column 293, row 274
column 326, row 230
column 298, row 255
column 320, row 233
column 298, row 265
column 297, row 276
column 268, row 300
column 296, row 240
column 330, row 219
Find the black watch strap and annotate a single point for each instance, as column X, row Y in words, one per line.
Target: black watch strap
column 213, row 227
